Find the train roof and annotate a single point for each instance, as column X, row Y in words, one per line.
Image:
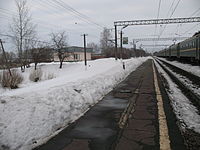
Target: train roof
column 197, row 33
column 194, row 36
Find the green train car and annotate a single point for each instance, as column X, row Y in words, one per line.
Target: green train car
column 188, row 49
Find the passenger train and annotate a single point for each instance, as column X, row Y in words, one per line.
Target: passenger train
column 188, row 50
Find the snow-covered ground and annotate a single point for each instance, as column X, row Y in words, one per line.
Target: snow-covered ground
column 187, row 67
column 35, row 112
column 187, row 82
column 183, row 108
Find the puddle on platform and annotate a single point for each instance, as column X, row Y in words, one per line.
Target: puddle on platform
column 100, row 124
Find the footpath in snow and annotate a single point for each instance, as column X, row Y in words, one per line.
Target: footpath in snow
column 35, row 112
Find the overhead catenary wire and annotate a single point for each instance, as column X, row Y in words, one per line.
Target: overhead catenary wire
column 188, row 30
column 173, row 11
column 158, row 13
column 171, row 7
column 194, row 13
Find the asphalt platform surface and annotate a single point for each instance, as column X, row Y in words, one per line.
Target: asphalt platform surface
column 125, row 119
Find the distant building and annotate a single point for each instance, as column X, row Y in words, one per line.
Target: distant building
column 74, row 53
column 98, row 56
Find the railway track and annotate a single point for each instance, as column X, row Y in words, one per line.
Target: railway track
column 188, row 83
column 181, row 78
column 195, row 79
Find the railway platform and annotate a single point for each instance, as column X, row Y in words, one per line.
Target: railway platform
column 135, row 115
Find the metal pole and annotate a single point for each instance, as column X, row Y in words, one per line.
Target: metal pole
column 134, row 48
column 115, row 42
column 121, row 44
column 85, row 57
column 8, row 67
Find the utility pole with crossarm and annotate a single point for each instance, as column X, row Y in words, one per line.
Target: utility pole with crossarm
column 85, row 53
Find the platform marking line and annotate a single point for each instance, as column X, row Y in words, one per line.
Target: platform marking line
column 163, row 129
column 130, row 108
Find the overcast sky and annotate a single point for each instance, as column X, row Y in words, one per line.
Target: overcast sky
column 49, row 17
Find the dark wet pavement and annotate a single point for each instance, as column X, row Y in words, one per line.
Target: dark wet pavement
column 125, row 119
column 101, row 128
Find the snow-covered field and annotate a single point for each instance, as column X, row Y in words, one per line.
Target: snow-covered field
column 187, row 67
column 183, row 108
column 35, row 112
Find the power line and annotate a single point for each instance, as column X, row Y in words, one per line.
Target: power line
column 81, row 14
column 175, row 8
column 170, row 8
column 49, row 25
column 159, row 9
column 58, row 6
column 170, row 17
column 9, row 12
column 159, row 5
column 191, row 28
column 71, row 12
column 196, row 11
column 11, row 36
column 167, row 17
column 61, row 4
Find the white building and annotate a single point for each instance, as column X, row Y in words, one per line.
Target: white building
column 74, row 53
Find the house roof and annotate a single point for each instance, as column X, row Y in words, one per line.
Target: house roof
column 72, row 49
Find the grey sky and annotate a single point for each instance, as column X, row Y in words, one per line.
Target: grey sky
column 50, row 18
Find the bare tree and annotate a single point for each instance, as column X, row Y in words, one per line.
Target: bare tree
column 41, row 54
column 59, row 40
column 105, row 43
column 38, row 52
column 94, row 46
column 22, row 28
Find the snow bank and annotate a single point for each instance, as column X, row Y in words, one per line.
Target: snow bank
column 184, row 110
column 35, row 112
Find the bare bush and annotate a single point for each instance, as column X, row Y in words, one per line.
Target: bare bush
column 36, row 75
column 1, row 77
column 8, row 81
column 49, row 76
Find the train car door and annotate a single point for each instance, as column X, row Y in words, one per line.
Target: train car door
column 178, row 50
column 198, row 48
column 197, row 45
